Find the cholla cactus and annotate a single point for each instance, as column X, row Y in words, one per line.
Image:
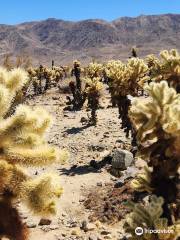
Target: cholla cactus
column 94, row 70
column 51, row 77
column 126, row 79
column 93, row 89
column 76, row 71
column 78, row 99
column 167, row 68
column 22, row 144
column 134, row 52
column 149, row 217
column 157, row 122
column 151, row 60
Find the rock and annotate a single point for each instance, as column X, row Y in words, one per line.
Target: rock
column 55, row 98
column 87, row 226
column 83, row 120
column 64, row 214
column 106, row 135
column 54, row 227
column 105, row 232
column 121, row 159
column 75, row 232
column 119, row 184
column 93, row 237
column 99, row 184
column 44, row 221
column 96, row 147
column 108, row 236
column 31, row 225
column 84, row 225
column 45, row 228
column 90, row 227
column 81, row 199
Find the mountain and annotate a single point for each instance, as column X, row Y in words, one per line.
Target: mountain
column 64, row 41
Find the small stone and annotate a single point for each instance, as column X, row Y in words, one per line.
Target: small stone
column 55, row 98
column 93, row 237
column 83, row 120
column 84, row 225
column 108, row 236
column 54, row 227
column 64, row 214
column 96, row 147
column 75, row 232
column 81, row 199
column 90, row 227
column 99, row 184
column 44, row 221
column 31, row 225
column 119, row 184
column 105, row 232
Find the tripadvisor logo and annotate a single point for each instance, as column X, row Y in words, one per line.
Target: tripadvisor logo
column 139, row 231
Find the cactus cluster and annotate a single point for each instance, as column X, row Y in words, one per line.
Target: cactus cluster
column 42, row 78
column 157, row 123
column 22, row 145
column 167, row 68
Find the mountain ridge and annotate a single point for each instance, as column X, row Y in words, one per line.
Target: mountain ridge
column 64, row 41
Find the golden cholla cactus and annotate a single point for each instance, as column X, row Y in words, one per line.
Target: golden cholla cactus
column 22, row 143
column 151, row 60
column 167, row 68
column 94, row 70
column 127, row 78
column 157, row 122
column 161, row 111
column 34, row 193
column 148, row 217
column 138, row 72
column 93, row 89
column 93, row 85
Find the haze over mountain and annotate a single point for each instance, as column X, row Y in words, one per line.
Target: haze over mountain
column 64, row 41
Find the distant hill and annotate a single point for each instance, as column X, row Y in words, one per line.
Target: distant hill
column 64, row 40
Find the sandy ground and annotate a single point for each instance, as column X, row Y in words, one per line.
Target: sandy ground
column 84, row 145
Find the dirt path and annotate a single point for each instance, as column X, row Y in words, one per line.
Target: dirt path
column 84, row 144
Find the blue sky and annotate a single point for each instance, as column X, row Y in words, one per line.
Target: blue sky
column 17, row 11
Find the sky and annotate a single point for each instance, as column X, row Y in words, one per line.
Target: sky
column 18, row 11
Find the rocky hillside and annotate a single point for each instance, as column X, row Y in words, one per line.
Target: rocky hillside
column 64, row 40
